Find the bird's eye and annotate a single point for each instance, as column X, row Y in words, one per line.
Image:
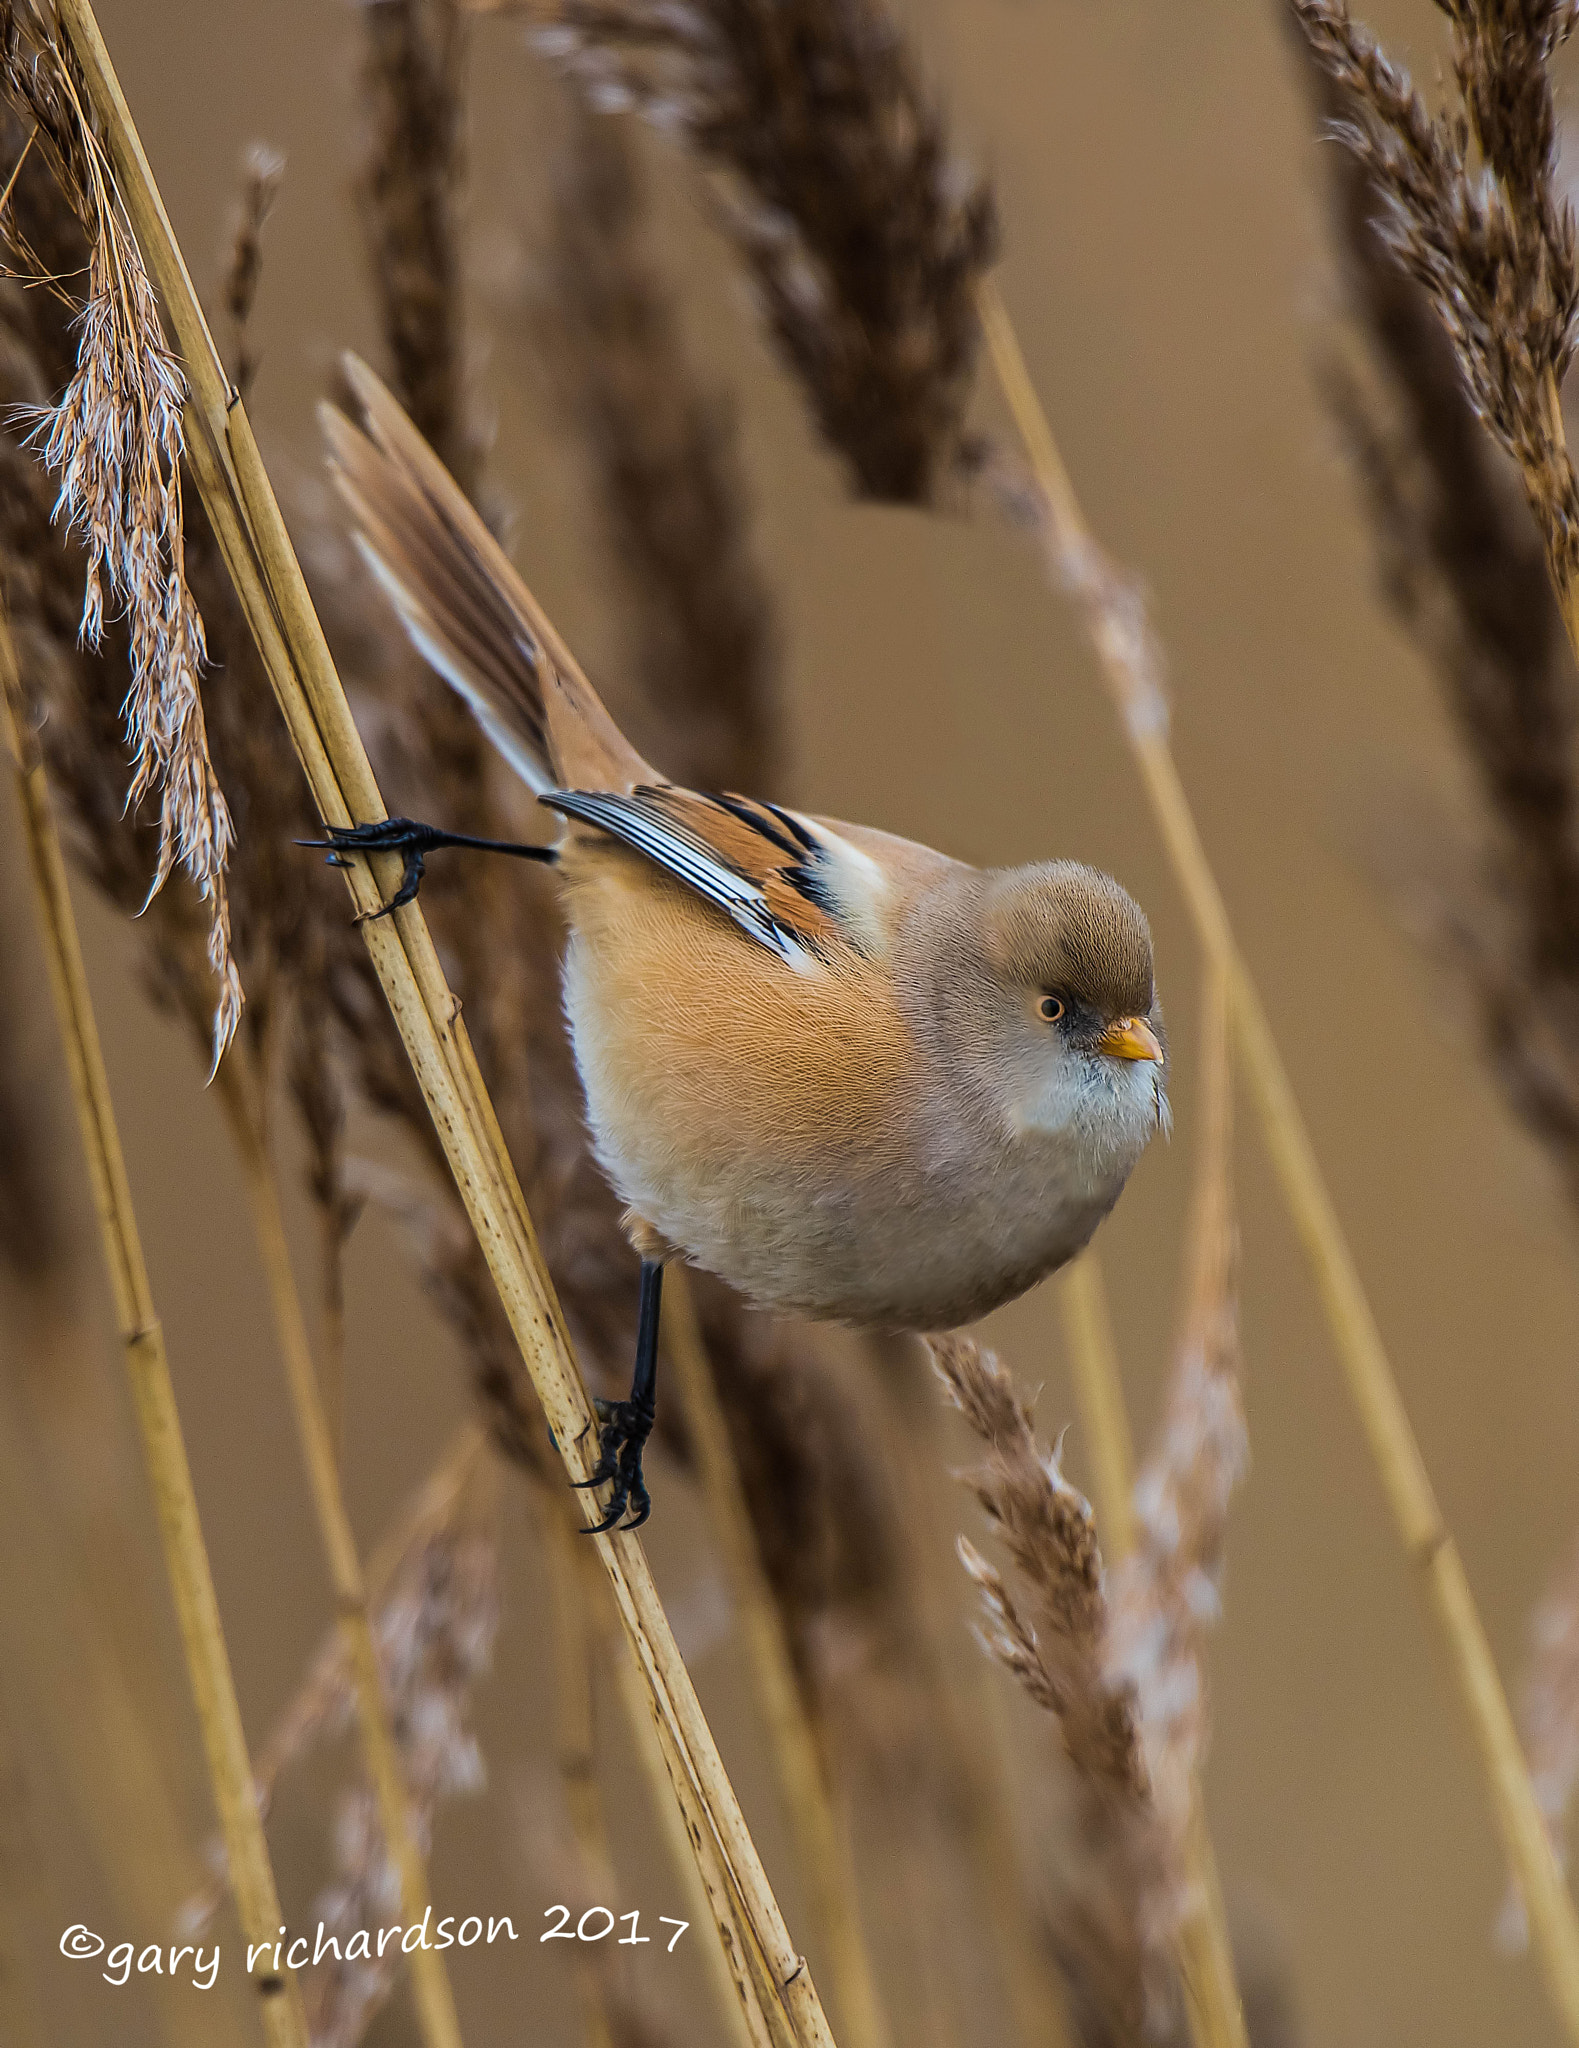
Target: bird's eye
column 1051, row 1008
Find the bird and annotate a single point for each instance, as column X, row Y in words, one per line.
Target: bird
column 861, row 1081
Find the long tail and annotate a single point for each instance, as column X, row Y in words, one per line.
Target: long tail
column 465, row 607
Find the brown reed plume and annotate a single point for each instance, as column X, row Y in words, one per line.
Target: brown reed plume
column 1468, row 208
column 412, row 51
column 1050, row 1629
column 863, row 234
column 662, row 453
column 1463, row 571
column 114, row 440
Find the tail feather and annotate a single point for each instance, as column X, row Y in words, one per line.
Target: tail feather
column 463, row 604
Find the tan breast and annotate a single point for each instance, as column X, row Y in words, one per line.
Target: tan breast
column 781, row 1128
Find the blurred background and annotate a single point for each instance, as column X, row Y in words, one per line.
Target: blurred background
column 1164, row 260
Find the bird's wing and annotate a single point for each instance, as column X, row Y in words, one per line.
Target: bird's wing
column 795, row 886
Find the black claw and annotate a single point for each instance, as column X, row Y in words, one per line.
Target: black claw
column 626, row 1425
column 624, row 1438
column 413, row 841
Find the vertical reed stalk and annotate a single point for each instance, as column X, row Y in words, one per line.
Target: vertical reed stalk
column 695, row 1857
column 273, row 593
column 825, row 1859
column 1367, row 1370
column 574, row 1747
column 241, row 1092
column 142, row 1339
column 1099, row 1395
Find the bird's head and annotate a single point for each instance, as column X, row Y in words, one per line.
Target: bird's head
column 1074, row 1019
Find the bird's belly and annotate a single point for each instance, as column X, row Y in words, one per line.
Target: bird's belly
column 809, row 1186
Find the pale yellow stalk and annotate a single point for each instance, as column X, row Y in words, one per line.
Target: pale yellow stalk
column 821, row 1842
column 727, row 1948
column 241, row 1092
column 142, row 1340
column 1367, row 1370
column 574, row 1747
column 251, row 532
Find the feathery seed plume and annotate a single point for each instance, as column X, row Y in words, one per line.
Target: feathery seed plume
column 114, row 441
column 863, row 234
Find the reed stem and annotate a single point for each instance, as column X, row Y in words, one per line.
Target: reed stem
column 241, row 1093
column 1367, row 1371
column 821, row 1842
column 273, row 593
column 574, row 1745
column 142, row 1340
column 691, row 1845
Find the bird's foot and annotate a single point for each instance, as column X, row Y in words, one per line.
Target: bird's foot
column 405, row 836
column 626, row 1428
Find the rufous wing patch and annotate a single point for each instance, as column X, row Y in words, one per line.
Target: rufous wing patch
column 766, row 868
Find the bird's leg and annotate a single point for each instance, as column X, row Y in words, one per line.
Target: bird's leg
column 413, row 842
column 628, row 1424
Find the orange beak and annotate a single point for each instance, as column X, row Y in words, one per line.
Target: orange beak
column 1130, row 1038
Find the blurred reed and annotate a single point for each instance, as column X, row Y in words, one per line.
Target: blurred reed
column 270, row 906
column 143, row 1342
column 1422, row 370
column 261, row 561
column 1121, row 633
column 859, row 227
column 1166, row 1591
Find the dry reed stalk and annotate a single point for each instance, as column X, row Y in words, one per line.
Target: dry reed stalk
column 734, row 1965
column 142, row 1339
column 820, row 1841
column 1099, row 1398
column 1054, row 1645
column 862, row 234
column 96, row 1727
column 271, row 910
column 241, row 1093
column 115, row 441
column 1126, row 648
column 268, row 578
column 575, row 1752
